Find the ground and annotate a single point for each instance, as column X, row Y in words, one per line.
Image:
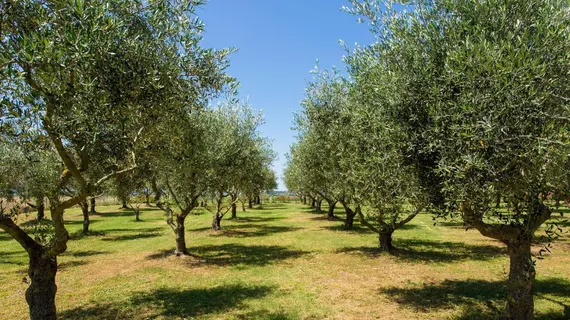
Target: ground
column 281, row 262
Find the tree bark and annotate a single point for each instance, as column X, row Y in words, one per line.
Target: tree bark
column 385, row 238
column 180, row 237
column 332, row 205
column 319, row 204
column 216, row 221
column 92, row 211
column 40, row 295
column 147, row 199
column 313, row 203
column 124, row 204
column 250, row 203
column 349, row 221
column 234, row 206
column 243, row 206
column 85, row 210
column 137, row 215
column 41, row 209
column 520, row 302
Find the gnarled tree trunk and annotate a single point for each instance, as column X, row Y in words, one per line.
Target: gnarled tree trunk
column 349, row 220
column 216, row 221
column 41, row 209
column 234, row 206
column 332, row 205
column 92, row 211
column 40, row 295
column 85, row 211
column 319, row 206
column 180, row 234
column 385, row 237
column 520, row 302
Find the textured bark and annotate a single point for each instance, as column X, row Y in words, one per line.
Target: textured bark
column 250, row 203
column 41, row 209
column 349, row 221
column 520, row 302
column 234, row 206
column 319, row 206
column 40, row 295
column 180, row 237
column 332, row 205
column 385, row 238
column 137, row 215
column 93, row 204
column 216, row 221
column 85, row 210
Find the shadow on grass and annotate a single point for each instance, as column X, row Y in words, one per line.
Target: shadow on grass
column 136, row 236
column 264, row 315
column 433, row 251
column 255, row 219
column 70, row 264
column 256, row 231
column 235, row 254
column 86, row 253
column 355, row 229
column 478, row 299
column 173, row 303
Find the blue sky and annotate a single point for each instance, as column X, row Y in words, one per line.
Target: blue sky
column 279, row 42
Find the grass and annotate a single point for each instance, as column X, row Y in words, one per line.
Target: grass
column 282, row 262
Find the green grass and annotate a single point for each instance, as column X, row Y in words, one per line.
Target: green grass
column 282, row 262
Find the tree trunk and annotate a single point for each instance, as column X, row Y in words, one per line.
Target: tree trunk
column 498, row 200
column 137, row 215
column 85, row 210
column 386, row 241
column 234, row 210
column 243, row 206
column 349, row 221
column 41, row 209
column 332, row 205
column 147, row 199
column 319, row 203
column 180, row 237
column 520, row 303
column 92, row 211
column 216, row 221
column 313, row 203
column 40, row 295
column 250, row 204
column 124, row 204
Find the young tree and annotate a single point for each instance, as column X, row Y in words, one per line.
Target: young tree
column 481, row 90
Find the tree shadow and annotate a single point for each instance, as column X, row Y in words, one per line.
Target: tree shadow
column 13, row 257
column 173, row 302
column 70, row 264
column 264, row 315
column 355, row 229
column 124, row 213
column 478, row 299
column 258, row 231
column 235, row 254
column 136, row 236
column 86, row 253
column 432, row 251
column 256, row 219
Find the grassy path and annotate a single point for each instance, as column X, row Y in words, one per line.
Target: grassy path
column 282, row 262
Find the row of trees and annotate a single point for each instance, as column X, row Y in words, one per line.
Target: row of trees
column 455, row 105
column 113, row 95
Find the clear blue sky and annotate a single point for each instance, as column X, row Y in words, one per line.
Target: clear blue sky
column 279, row 42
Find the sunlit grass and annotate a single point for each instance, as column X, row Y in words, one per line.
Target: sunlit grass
column 280, row 262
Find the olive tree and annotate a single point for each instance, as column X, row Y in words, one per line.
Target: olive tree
column 91, row 78
column 481, row 89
